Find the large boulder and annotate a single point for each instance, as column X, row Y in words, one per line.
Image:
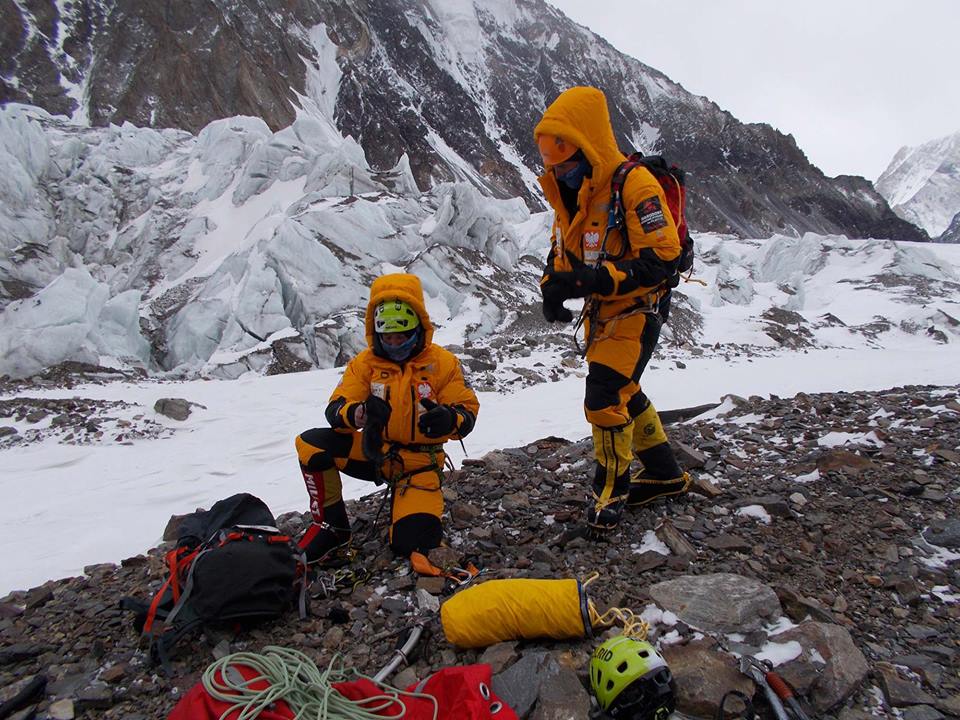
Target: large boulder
column 718, row 603
column 830, row 646
column 703, row 676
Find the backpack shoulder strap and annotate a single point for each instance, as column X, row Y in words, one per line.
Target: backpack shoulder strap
column 615, row 218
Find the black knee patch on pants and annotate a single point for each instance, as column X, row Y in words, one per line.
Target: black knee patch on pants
column 637, row 404
column 648, row 343
column 603, row 387
column 330, row 444
column 421, row 532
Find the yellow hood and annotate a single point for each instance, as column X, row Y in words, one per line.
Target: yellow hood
column 580, row 115
column 399, row 286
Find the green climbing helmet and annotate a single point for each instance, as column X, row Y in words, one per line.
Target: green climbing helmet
column 631, row 681
column 392, row 316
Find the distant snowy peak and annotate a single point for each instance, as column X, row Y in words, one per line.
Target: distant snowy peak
column 922, row 184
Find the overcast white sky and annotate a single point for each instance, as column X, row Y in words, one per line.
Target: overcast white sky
column 852, row 80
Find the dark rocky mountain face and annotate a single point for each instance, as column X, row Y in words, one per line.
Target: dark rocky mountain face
column 952, row 233
column 456, row 86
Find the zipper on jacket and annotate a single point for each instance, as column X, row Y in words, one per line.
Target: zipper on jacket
column 413, row 414
column 386, row 428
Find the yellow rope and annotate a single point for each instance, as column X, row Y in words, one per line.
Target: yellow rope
column 600, row 503
column 689, row 278
column 633, row 625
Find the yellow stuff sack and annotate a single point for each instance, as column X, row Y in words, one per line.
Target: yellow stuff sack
column 501, row 610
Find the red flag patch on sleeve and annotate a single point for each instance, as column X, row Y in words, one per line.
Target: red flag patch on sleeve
column 651, row 215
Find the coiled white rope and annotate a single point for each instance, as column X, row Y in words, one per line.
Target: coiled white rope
column 295, row 679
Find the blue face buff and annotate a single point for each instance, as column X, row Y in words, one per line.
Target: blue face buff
column 399, row 353
column 573, row 179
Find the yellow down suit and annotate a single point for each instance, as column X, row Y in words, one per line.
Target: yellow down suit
column 627, row 322
column 412, row 462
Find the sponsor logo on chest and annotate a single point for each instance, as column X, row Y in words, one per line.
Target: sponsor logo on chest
column 591, row 246
column 424, row 390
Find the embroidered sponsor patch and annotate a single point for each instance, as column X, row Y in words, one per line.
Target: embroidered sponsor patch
column 651, row 214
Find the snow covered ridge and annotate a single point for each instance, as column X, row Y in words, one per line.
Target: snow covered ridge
column 922, row 185
column 241, row 249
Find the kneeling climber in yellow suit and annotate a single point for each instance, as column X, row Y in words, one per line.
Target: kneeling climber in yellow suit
column 624, row 274
column 397, row 403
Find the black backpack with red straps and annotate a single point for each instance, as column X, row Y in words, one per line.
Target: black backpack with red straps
column 231, row 566
column 673, row 181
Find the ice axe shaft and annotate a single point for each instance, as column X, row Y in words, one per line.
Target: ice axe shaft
column 759, row 676
column 785, row 694
column 401, row 655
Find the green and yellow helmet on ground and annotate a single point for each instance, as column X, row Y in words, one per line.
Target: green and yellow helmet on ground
column 392, row 316
column 631, row 681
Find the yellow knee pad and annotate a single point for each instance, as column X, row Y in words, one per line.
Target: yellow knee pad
column 648, row 430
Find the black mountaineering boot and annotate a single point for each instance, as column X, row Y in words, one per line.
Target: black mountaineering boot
column 661, row 476
column 644, row 490
column 606, row 504
column 325, row 542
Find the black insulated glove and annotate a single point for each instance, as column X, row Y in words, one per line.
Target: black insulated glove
column 585, row 279
column 376, row 415
column 579, row 282
column 556, row 312
column 371, row 443
column 438, row 420
column 376, row 411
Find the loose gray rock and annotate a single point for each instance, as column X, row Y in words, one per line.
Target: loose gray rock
column 945, row 533
column 848, row 575
column 900, row 691
column 718, row 603
column 519, row 685
column 61, row 710
column 921, row 712
column 670, row 536
column 499, row 656
column 562, row 695
column 174, row 408
column 427, row 602
column 773, row 504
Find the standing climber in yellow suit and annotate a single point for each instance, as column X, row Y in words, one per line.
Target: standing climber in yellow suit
column 397, row 403
column 580, row 156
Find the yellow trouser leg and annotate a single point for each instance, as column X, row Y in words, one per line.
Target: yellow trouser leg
column 612, row 451
column 417, row 506
column 611, row 480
